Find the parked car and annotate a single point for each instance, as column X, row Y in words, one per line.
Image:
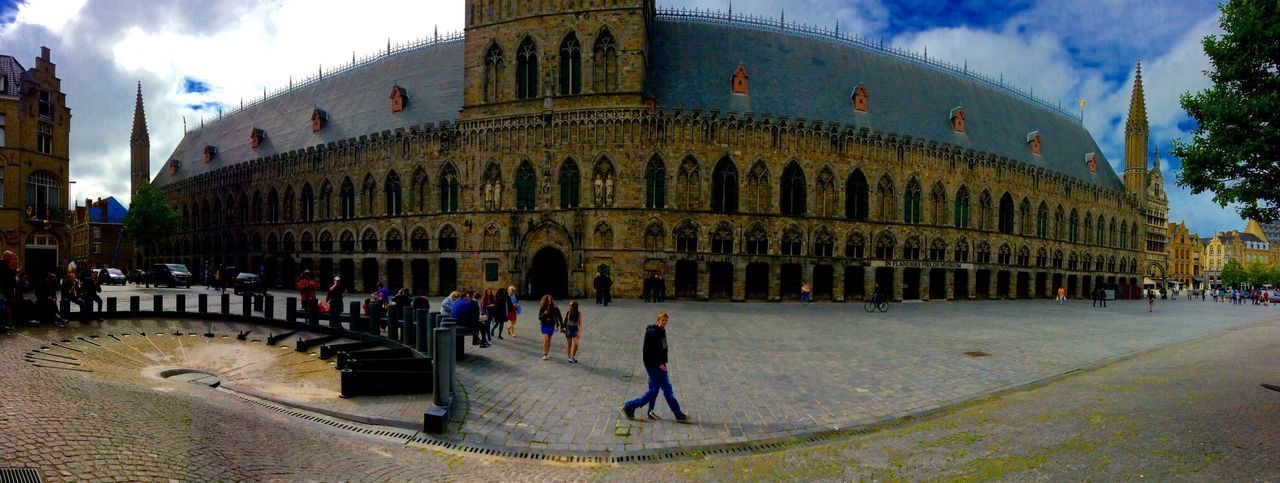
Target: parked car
column 248, row 283
column 171, row 274
column 113, row 276
column 138, row 276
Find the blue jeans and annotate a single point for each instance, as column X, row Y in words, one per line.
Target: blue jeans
column 658, row 381
column 805, row 297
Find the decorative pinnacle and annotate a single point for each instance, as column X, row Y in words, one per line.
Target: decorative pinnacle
column 139, row 133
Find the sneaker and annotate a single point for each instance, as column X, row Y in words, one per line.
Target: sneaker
column 653, row 415
column 485, row 346
column 575, row 360
column 683, row 419
column 544, row 357
column 629, row 413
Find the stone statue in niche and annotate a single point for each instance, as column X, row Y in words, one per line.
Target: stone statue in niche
column 608, row 191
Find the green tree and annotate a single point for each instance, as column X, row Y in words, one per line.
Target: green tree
column 1233, row 274
column 1235, row 149
column 150, row 218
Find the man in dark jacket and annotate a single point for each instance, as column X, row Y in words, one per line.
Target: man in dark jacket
column 655, row 363
column 606, row 286
column 467, row 314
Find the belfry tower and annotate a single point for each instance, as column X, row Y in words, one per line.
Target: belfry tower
column 139, row 149
column 1135, row 141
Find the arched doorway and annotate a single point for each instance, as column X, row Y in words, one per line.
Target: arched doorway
column 549, row 274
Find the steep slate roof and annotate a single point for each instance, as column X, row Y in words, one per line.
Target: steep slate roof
column 1272, row 231
column 12, row 71
column 796, row 75
column 357, row 102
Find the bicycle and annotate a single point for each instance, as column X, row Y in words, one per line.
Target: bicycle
column 875, row 304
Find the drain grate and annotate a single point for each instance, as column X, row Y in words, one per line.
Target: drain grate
column 976, row 354
column 19, row 475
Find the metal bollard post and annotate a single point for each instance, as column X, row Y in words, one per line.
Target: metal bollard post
column 202, row 303
column 257, row 304
column 226, row 304
column 246, row 308
column 355, row 317
column 134, row 302
column 409, row 334
column 64, row 308
column 181, row 304
column 291, row 309
column 157, row 303
column 112, row 306
column 375, row 321
column 442, row 380
column 269, row 307
column 423, row 338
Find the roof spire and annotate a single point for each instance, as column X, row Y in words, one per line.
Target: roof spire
column 139, row 120
column 1137, row 103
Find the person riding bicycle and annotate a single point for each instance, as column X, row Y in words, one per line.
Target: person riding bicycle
column 876, row 298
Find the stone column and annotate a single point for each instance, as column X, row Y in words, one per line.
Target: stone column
column 704, row 281
column 994, row 282
column 739, row 282
column 924, row 284
column 973, row 284
column 837, row 283
column 951, row 284
column 775, row 281
column 897, row 283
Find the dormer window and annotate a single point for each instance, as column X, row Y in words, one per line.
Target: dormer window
column 398, row 99
column 318, row 118
column 174, row 165
column 957, row 119
column 210, row 152
column 859, row 98
column 1033, row 140
column 256, row 137
column 739, row 81
column 1092, row 160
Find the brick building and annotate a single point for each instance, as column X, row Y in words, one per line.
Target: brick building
column 740, row 157
column 97, row 235
column 35, row 124
column 1185, row 251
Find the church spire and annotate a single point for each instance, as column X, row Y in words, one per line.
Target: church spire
column 139, row 147
column 1135, row 140
column 139, row 120
column 1137, row 104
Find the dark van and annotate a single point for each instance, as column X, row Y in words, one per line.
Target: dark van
column 171, row 274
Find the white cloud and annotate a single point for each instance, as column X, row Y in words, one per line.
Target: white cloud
column 50, row 14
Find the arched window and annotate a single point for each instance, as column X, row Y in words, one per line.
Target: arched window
column 273, row 206
column 418, row 197
column 938, row 250
column 724, row 187
column 605, row 63
column 855, row 246
column 1134, row 237
column 792, row 241
column 491, row 186
column 961, row 216
column 1056, row 260
column 1042, row 220
column 448, row 188
column 1073, row 227
column 602, row 182
column 938, row 204
column 655, row 183
column 962, row 250
column 570, row 65
column 1111, row 236
column 758, row 188
column 418, row 241
column 394, row 242
column 1024, row 215
column 1042, row 258
column 1088, row 228
column 527, row 70
column 757, row 240
column 326, row 200
column 1124, row 238
column 346, row 242
column 1059, row 222
column 826, row 192
column 44, row 196
column 604, row 237
column 368, row 191
column 369, row 241
column 308, row 203
column 326, row 242
column 1024, row 256
column 448, row 239
column 885, row 244
column 492, row 238
column 287, row 213
column 911, row 249
column 884, row 191
column 1006, row 214
column 855, row 197
column 526, row 187
column 1005, row 255
column 722, row 239
column 686, row 235
column 984, row 210
column 347, row 200
column 215, row 211
column 256, row 212
column 570, row 185
column 911, row 202
column 287, row 243
column 1073, row 261
column 494, row 64
column 689, row 184
column 824, row 244
column 654, row 237
column 983, row 253
column 392, row 194
column 792, row 197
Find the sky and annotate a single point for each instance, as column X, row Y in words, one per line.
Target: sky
column 194, row 58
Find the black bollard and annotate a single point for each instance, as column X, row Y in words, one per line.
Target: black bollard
column 291, row 309
column 409, row 335
column 157, row 303
column 442, row 385
column 268, row 307
column 134, row 302
column 257, row 303
column 375, row 320
column 112, row 308
column 422, row 322
column 354, row 316
column 246, row 309
column 202, row 303
column 181, row 304
column 226, row 304
column 64, row 308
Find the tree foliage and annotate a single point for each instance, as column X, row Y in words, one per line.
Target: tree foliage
column 150, row 218
column 1233, row 274
column 1235, row 149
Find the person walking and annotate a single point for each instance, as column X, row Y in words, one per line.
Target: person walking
column 655, row 364
column 606, row 284
column 488, row 311
column 572, row 331
column 1062, row 294
column 662, row 288
column 550, row 320
column 1151, row 300
column 513, row 310
column 334, row 298
column 500, row 311
column 307, row 287
column 597, row 283
column 806, row 293
column 646, row 289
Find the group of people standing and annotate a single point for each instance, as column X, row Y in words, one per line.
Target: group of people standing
column 490, row 312
column 655, row 288
column 81, row 289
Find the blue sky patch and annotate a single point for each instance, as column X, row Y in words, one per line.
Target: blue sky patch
column 194, row 86
column 915, row 15
column 204, row 106
column 8, row 11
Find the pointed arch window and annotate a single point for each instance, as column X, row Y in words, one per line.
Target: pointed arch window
column 369, row 241
column 256, row 214
column 418, row 241
column 570, row 65
column 793, row 192
column 1111, row 238
column 368, row 191
column 1005, row 255
column 526, row 187
column 1088, row 228
column 492, row 187
column 911, row 249
column 604, row 237
column 689, row 184
column 448, row 239
column 1024, row 256
column 1059, row 222
column 686, row 237
column 856, row 191
column 289, row 203
column 824, row 244
column 527, row 70
column 326, row 242
column 602, row 182
column 792, row 241
column 1073, row 227
column 984, row 210
column 273, row 206
column 1042, row 220
column 1056, row 260
column 570, row 185
column 654, row 237
column 938, row 204
column 392, row 194
column 938, row 250
column 287, row 243
column 1042, row 258
column 884, row 191
column 604, row 63
column 1024, row 217
column 347, row 242
column 448, row 189
column 826, row 193
column 244, row 209
column 911, row 202
column 983, row 253
column 961, row 216
column 1124, row 238
column 757, row 241
column 326, row 200
column 494, row 65
column 418, row 197
column 758, row 188
column 885, row 245
column 655, row 183
column 491, row 239
column 724, row 187
column 347, row 199
column 855, row 246
column 722, row 239
column 394, row 242
column 308, row 203
column 962, row 250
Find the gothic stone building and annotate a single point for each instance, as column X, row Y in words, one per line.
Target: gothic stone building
column 740, row 157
